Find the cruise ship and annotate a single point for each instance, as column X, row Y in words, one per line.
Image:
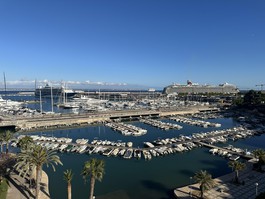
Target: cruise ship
column 195, row 88
column 47, row 91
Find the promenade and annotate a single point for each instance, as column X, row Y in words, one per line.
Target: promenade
column 20, row 189
column 253, row 183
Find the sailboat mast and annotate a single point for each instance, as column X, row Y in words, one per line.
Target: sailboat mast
column 40, row 103
column 5, row 81
column 51, row 98
column 64, row 93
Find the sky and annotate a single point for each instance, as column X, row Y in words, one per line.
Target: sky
column 133, row 43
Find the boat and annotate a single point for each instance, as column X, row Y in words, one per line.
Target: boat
column 81, row 141
column 191, row 87
column 128, row 154
column 234, row 157
column 86, row 100
column 82, row 149
column 48, row 91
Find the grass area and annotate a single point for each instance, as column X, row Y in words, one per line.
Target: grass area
column 3, row 189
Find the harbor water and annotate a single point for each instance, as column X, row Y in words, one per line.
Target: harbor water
column 139, row 178
column 136, row 179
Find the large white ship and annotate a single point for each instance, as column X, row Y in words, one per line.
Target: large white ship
column 194, row 88
column 48, row 90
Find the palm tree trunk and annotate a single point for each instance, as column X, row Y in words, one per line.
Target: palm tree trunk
column 2, row 147
column 7, row 147
column 201, row 188
column 38, row 178
column 92, row 186
column 236, row 176
column 69, row 190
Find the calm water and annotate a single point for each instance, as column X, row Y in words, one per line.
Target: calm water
column 139, row 179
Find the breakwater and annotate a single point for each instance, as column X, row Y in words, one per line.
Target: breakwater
column 54, row 121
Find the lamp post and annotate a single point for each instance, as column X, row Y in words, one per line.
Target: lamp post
column 257, row 184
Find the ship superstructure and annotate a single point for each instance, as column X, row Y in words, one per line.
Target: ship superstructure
column 48, row 90
column 194, row 88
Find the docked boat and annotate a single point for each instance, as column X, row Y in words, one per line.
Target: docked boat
column 81, row 141
column 128, row 154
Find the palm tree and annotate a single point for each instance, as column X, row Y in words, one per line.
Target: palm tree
column 1, row 142
column 236, row 166
column 7, row 137
column 36, row 157
column 95, row 169
column 68, row 176
column 260, row 155
column 25, row 142
column 205, row 180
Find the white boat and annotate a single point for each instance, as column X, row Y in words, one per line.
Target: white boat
column 82, row 149
column 115, row 152
column 149, row 144
column 81, row 141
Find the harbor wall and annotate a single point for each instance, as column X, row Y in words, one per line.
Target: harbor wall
column 64, row 121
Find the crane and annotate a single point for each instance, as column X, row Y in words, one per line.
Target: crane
column 261, row 86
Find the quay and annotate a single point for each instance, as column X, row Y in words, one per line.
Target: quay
column 225, row 188
column 58, row 120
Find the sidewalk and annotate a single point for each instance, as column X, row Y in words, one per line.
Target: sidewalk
column 226, row 189
column 19, row 187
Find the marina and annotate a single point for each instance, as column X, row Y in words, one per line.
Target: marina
column 160, row 156
column 142, row 156
column 190, row 121
column 160, row 147
column 132, row 99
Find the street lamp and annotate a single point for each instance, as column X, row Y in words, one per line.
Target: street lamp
column 257, row 184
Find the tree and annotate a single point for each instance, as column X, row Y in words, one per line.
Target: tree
column 68, row 176
column 236, row 166
column 260, row 155
column 25, row 143
column 254, row 98
column 34, row 158
column 7, row 138
column 205, row 180
column 93, row 168
column 1, row 142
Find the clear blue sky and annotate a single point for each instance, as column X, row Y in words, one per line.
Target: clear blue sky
column 139, row 42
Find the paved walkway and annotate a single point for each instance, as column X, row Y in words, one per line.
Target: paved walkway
column 226, row 189
column 19, row 188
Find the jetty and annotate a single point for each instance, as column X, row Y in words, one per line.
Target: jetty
column 58, row 120
column 160, row 124
column 160, row 147
column 190, row 121
column 226, row 151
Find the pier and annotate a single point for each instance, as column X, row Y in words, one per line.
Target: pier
column 244, row 156
column 158, row 148
column 58, row 120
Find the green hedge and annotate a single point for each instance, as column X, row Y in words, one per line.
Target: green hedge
column 3, row 189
